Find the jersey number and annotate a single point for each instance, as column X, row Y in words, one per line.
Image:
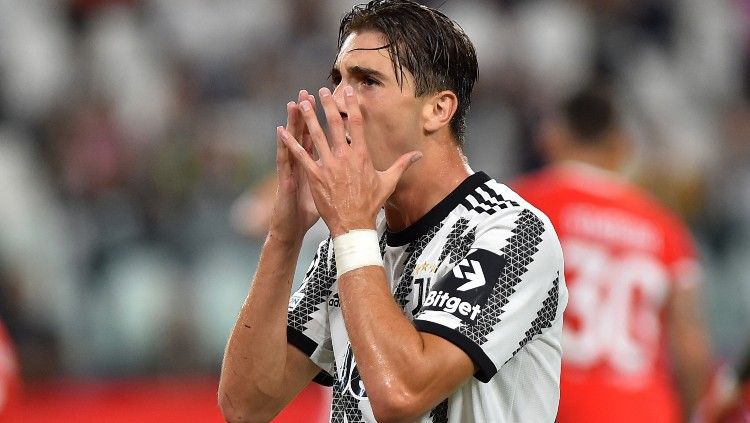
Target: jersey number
column 613, row 310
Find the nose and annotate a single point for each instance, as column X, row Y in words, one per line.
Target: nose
column 338, row 97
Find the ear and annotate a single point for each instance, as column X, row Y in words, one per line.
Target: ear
column 439, row 110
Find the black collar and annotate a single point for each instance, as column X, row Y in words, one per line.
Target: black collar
column 437, row 213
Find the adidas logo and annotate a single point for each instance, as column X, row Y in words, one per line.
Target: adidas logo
column 334, row 301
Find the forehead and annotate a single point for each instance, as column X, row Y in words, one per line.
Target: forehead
column 364, row 49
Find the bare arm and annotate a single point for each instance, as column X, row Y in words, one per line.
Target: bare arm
column 690, row 345
column 405, row 372
column 261, row 373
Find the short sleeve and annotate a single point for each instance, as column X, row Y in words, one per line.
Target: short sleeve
column 505, row 291
column 307, row 318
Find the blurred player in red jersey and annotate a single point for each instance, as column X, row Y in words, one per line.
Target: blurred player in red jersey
column 635, row 348
column 10, row 382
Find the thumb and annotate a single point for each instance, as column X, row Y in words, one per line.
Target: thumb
column 397, row 169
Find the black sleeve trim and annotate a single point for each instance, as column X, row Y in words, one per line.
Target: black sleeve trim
column 299, row 340
column 307, row 346
column 323, row 378
column 486, row 368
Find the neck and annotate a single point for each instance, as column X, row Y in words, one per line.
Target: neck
column 601, row 158
column 609, row 153
column 425, row 184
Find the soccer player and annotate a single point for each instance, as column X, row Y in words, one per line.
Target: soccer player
column 449, row 308
column 634, row 345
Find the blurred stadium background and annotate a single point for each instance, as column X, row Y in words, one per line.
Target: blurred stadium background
column 136, row 136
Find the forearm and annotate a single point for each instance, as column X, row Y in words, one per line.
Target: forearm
column 390, row 352
column 254, row 362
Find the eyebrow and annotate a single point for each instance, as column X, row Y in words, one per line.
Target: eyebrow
column 360, row 71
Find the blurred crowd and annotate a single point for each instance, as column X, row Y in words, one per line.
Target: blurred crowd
column 137, row 138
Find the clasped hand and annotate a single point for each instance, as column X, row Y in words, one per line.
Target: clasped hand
column 347, row 189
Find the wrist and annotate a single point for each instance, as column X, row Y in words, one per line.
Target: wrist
column 344, row 228
column 286, row 239
column 355, row 249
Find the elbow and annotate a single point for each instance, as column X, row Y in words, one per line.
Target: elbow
column 395, row 407
column 234, row 411
column 231, row 416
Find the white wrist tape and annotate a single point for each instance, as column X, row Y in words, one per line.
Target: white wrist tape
column 356, row 248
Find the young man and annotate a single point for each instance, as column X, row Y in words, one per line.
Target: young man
column 633, row 326
column 448, row 309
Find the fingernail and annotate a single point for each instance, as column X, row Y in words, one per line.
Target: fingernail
column 324, row 92
column 281, row 131
column 305, row 105
column 349, row 90
column 416, row 156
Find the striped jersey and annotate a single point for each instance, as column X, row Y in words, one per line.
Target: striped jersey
column 484, row 270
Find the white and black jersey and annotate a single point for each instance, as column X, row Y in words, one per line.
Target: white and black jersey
column 484, row 270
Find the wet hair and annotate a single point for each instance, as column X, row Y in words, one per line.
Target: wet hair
column 590, row 115
column 425, row 42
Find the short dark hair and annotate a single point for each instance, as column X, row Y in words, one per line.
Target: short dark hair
column 590, row 115
column 425, row 42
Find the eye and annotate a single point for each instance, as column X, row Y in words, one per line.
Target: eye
column 368, row 81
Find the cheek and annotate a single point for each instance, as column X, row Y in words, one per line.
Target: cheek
column 392, row 122
column 390, row 129
column 384, row 137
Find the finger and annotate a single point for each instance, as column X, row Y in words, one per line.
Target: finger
column 301, row 133
column 316, row 132
column 312, row 101
column 308, row 145
column 294, row 123
column 297, row 151
column 333, row 117
column 354, row 119
column 304, row 136
column 304, row 95
column 283, row 161
column 394, row 173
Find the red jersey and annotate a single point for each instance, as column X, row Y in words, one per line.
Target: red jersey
column 623, row 253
